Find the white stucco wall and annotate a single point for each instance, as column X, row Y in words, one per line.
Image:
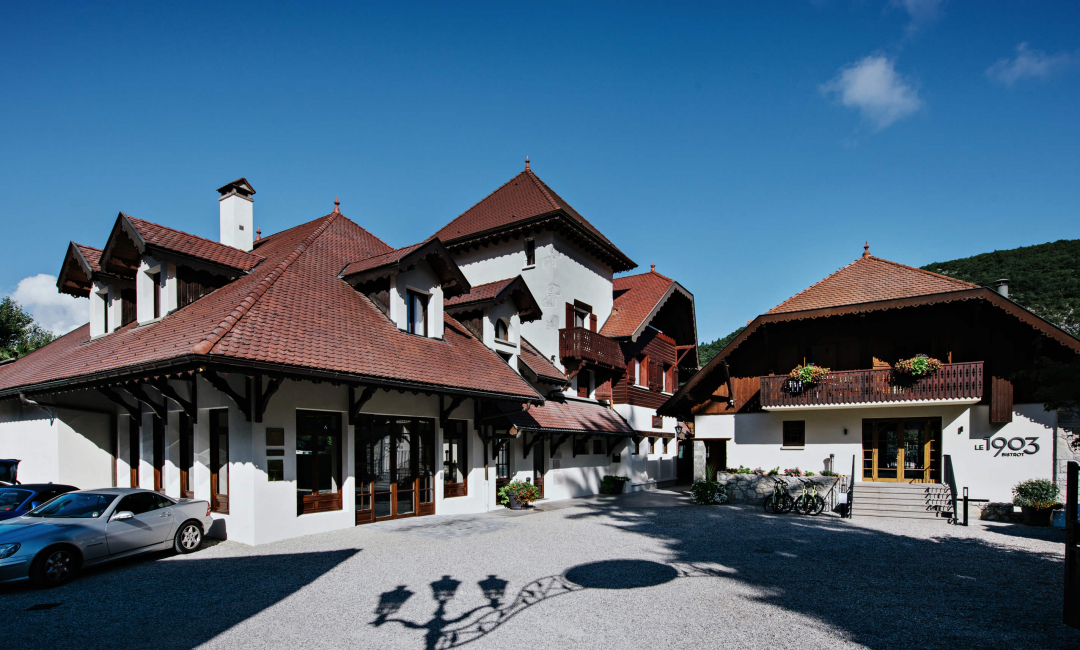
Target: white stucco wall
column 640, row 418
column 423, row 280
column 754, row 440
column 27, row 435
column 83, row 449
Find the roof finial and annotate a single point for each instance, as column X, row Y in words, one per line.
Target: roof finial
column 336, row 205
column 866, row 249
column 654, row 268
column 258, row 234
column 526, row 162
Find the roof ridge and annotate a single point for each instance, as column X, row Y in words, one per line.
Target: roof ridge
column 555, row 205
column 225, row 326
column 489, row 195
column 969, row 285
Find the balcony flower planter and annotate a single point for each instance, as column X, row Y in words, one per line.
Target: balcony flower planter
column 1037, row 516
column 807, row 375
column 917, row 366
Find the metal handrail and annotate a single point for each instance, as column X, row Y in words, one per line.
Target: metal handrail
column 1071, row 613
column 851, row 489
column 950, row 480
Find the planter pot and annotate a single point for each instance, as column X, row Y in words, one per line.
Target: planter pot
column 514, row 503
column 620, row 487
column 1036, row 516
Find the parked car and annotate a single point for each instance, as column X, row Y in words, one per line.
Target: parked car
column 9, row 471
column 49, row 544
column 17, row 500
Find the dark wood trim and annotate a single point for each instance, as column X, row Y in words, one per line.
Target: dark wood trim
column 527, row 447
column 263, row 396
column 161, row 410
column 243, row 402
column 558, row 443
column 444, row 413
column 613, row 442
column 168, row 391
column 356, row 404
column 115, row 398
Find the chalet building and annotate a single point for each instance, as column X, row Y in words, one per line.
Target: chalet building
column 318, row 378
column 977, row 414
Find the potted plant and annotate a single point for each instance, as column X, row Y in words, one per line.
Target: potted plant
column 1037, row 499
column 918, row 366
column 516, row 494
column 808, row 374
column 706, row 492
column 613, row 484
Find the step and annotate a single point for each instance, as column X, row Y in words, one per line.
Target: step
column 862, row 499
column 900, row 515
column 909, row 487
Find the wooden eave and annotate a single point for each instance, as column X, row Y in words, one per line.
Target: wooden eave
column 517, row 290
column 1041, row 325
column 66, row 282
column 434, row 253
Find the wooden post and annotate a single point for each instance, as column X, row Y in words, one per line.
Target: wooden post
column 1072, row 548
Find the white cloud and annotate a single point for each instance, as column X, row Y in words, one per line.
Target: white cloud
column 54, row 311
column 1030, row 64
column 921, row 12
column 873, row 86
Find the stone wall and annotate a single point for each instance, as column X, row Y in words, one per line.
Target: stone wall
column 753, row 488
column 997, row 511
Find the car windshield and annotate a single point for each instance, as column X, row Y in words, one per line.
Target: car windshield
column 77, row 505
column 10, row 498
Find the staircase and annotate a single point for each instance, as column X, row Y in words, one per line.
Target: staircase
column 903, row 500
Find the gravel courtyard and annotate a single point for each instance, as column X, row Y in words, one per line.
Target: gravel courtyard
column 637, row 571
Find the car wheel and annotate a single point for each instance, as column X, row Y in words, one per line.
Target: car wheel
column 54, row 566
column 189, row 538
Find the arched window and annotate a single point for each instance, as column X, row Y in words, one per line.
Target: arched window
column 502, row 330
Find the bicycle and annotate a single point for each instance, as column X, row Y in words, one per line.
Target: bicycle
column 809, row 502
column 779, row 502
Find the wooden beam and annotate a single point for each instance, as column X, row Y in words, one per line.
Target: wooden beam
column 527, row 447
column 115, row 398
column 263, row 397
column 168, row 391
column 356, row 404
column 161, row 409
column 444, row 413
column 558, row 443
column 243, row 402
column 613, row 442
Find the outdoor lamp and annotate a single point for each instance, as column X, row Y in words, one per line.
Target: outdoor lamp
column 678, row 428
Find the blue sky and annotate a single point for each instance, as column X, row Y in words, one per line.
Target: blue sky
column 748, row 149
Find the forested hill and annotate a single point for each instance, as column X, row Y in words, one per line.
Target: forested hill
column 1044, row 278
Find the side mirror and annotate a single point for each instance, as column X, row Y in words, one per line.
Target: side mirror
column 123, row 514
column 34, row 504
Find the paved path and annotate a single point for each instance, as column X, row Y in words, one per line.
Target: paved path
column 619, row 572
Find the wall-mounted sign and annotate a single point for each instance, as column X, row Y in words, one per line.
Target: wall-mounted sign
column 275, row 437
column 1009, row 447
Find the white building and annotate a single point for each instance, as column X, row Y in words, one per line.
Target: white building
column 980, row 413
column 317, row 378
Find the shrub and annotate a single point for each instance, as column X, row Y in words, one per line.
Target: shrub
column 741, row 470
column 917, row 366
column 758, row 471
column 774, row 471
column 1036, row 493
column 808, row 374
column 829, row 472
column 526, row 493
column 608, row 483
column 792, row 472
column 808, row 473
column 708, row 492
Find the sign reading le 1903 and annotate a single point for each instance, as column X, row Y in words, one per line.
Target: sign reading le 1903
column 1016, row 446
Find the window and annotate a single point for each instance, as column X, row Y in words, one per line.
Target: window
column 105, row 313
column 133, row 451
column 667, row 379
column 318, row 461
column 455, row 459
column 578, row 314
column 794, row 433
column 275, row 441
column 159, row 453
column 641, row 371
column 658, row 422
column 187, row 456
column 530, row 252
column 502, row 330
column 219, row 460
column 417, row 313
column 140, row 503
column 156, row 279
column 502, row 461
column 598, row 446
column 584, row 379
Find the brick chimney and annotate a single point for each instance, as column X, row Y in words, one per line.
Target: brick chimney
column 237, row 220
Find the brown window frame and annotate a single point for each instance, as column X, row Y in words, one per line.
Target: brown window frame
column 134, row 443
column 794, row 433
column 313, row 503
column 411, row 299
column 158, row 450
column 187, row 456
column 219, row 424
column 156, row 278
column 458, row 432
column 506, row 329
column 584, row 381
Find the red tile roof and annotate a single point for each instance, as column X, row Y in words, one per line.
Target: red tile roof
column 636, row 300
column 293, row 312
column 91, row 255
column 870, row 279
column 522, row 198
column 558, row 416
column 379, row 259
column 539, row 364
column 480, row 293
column 183, row 243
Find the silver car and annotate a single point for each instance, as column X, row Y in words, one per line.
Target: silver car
column 52, row 542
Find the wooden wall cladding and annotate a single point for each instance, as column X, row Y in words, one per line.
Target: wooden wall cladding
column 1001, row 400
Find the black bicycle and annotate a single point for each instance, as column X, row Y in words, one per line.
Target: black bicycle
column 809, row 502
column 779, row 502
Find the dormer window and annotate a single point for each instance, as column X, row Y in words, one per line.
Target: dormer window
column 156, row 279
column 502, row 330
column 417, row 304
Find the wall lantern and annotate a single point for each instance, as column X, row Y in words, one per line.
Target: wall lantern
column 960, row 430
column 845, row 432
column 678, row 428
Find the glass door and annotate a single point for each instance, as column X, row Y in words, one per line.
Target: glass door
column 404, row 474
column 538, row 466
column 889, row 455
column 904, row 450
column 395, row 467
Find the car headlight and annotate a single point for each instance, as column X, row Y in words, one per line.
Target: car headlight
column 7, row 550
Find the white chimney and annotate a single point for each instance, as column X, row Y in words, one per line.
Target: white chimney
column 237, row 227
column 1002, row 287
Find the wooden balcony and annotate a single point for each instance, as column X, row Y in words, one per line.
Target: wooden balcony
column 580, row 344
column 953, row 382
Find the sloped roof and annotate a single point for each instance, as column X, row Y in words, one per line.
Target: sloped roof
column 498, row 292
column 77, row 272
column 294, row 314
column 91, row 255
column 480, row 293
column 869, row 279
column 539, row 364
column 568, row 416
column 520, row 200
column 400, row 259
column 637, row 298
column 182, row 243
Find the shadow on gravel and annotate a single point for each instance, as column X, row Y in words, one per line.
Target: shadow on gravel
column 166, row 604
column 882, row 590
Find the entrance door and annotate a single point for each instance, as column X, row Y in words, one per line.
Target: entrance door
column 716, row 455
column 902, row 450
column 395, row 460
column 684, row 464
column 538, row 466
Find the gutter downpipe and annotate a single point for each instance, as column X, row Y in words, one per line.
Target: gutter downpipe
column 25, row 401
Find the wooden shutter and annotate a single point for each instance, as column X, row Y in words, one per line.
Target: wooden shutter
column 569, row 315
column 592, row 322
column 1001, row 400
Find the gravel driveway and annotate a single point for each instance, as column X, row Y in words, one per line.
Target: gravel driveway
column 637, row 571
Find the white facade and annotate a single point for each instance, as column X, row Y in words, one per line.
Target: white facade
column 755, row 440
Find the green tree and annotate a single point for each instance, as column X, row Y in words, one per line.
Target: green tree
column 706, row 351
column 19, row 334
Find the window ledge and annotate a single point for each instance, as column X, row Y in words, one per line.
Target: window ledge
column 783, row 448
column 509, row 344
column 664, row 392
column 529, row 267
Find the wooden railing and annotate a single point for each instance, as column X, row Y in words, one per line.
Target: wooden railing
column 952, row 381
column 585, row 345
